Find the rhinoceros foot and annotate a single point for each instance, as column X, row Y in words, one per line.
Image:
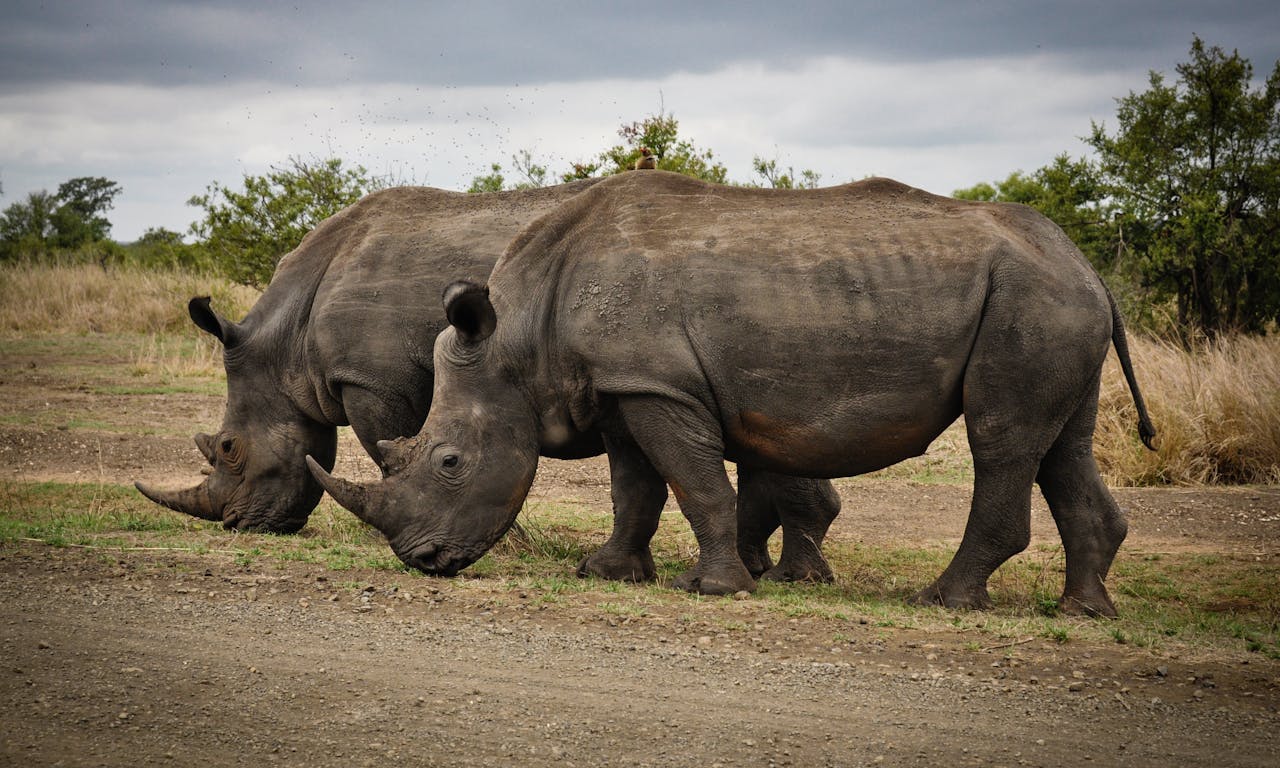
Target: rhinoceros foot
column 755, row 557
column 1096, row 605
column 973, row 597
column 727, row 579
column 815, row 571
column 618, row 565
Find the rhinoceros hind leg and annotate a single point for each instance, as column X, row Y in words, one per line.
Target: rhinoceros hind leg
column 1091, row 524
column 757, row 520
column 805, row 508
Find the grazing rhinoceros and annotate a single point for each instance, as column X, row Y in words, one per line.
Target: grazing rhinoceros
column 341, row 337
column 821, row 333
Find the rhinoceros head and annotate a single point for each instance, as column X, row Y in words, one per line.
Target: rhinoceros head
column 257, row 478
column 451, row 491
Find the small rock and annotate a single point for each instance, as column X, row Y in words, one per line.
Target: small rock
column 42, row 645
column 1076, row 687
column 1162, row 671
column 742, row 594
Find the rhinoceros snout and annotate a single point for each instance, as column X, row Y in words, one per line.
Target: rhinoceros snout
column 434, row 560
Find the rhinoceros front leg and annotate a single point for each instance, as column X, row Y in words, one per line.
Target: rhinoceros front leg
column 804, row 507
column 639, row 494
column 687, row 450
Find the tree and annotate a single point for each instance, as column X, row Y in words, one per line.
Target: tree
column 71, row 217
column 661, row 135
column 247, row 232
column 534, row 175
column 161, row 248
column 26, row 227
column 490, row 182
column 580, row 171
column 768, row 170
column 79, row 218
column 1194, row 171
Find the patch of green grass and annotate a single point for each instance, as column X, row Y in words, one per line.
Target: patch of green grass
column 93, row 348
column 543, row 535
column 1166, row 600
column 623, row 609
column 1057, row 633
column 72, row 512
column 185, row 387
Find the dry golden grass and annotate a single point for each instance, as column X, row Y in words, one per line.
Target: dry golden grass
column 1216, row 411
column 170, row 356
column 89, row 299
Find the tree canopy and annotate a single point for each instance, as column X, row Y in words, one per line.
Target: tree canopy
column 1193, row 170
column 247, row 231
column 73, row 216
column 1183, row 199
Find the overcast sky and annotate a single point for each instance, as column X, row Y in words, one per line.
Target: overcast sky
column 166, row 97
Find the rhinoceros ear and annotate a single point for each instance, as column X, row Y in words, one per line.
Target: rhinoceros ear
column 208, row 320
column 469, row 311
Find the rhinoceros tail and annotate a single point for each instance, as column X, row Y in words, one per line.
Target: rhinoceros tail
column 1146, row 430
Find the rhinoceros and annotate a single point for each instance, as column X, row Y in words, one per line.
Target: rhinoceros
column 820, row 333
column 340, row 337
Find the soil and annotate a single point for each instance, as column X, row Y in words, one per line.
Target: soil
column 134, row 657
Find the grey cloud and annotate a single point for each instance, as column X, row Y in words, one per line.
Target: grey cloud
column 475, row 42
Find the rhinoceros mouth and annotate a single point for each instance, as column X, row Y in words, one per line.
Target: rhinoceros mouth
column 244, row 524
column 437, row 559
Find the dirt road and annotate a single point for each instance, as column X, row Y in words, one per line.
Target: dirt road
column 147, row 658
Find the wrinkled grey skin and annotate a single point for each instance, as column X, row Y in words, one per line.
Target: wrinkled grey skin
column 824, row 333
column 330, row 343
column 340, row 337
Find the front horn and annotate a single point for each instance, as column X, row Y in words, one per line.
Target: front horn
column 191, row 501
column 351, row 496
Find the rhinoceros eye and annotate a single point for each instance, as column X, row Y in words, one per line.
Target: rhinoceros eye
column 449, row 462
column 228, row 444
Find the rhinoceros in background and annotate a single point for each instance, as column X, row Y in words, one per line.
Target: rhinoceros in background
column 341, row 336
column 821, row 333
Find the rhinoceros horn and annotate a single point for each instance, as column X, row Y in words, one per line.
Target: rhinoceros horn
column 352, row 496
column 191, row 501
column 205, row 444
